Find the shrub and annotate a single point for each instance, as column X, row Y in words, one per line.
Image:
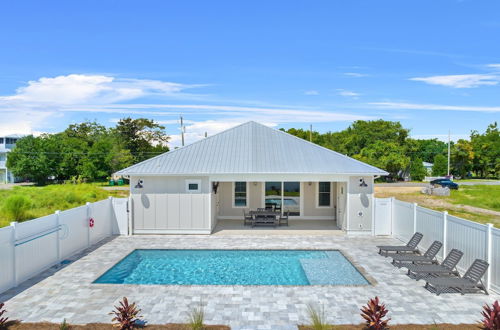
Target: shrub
column 126, row 315
column 374, row 313
column 196, row 317
column 3, row 319
column 16, row 207
column 317, row 317
column 491, row 317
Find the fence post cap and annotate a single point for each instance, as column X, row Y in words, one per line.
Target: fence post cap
column 490, row 225
column 88, row 203
column 57, row 212
column 445, row 212
column 14, row 223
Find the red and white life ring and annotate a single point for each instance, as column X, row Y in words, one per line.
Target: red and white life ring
column 91, row 222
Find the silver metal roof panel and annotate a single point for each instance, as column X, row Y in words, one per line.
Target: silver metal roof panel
column 251, row 148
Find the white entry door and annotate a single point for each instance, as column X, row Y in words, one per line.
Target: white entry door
column 341, row 204
column 383, row 216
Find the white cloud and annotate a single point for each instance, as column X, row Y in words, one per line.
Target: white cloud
column 80, row 88
column 311, row 92
column 355, row 74
column 347, row 93
column 41, row 105
column 495, row 66
column 461, row 80
column 417, row 106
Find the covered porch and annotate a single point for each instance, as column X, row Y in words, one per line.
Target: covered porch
column 295, row 227
column 311, row 206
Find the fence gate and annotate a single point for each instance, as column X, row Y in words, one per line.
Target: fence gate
column 383, row 216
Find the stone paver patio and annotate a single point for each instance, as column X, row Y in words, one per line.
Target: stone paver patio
column 68, row 293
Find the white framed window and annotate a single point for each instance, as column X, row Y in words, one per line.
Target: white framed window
column 324, row 194
column 193, row 186
column 240, row 195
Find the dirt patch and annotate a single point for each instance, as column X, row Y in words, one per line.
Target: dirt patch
column 103, row 326
column 404, row 327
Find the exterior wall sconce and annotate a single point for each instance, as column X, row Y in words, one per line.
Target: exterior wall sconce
column 362, row 183
column 309, row 183
column 139, row 184
column 255, row 183
column 215, row 187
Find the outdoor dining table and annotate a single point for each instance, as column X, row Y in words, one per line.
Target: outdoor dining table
column 265, row 218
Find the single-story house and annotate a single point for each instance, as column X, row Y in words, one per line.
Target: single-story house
column 187, row 190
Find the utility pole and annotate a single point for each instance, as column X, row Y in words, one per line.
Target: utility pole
column 310, row 133
column 449, row 142
column 182, row 131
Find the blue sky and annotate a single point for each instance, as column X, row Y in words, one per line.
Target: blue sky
column 433, row 65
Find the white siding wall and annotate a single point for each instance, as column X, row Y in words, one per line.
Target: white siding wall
column 360, row 204
column 163, row 206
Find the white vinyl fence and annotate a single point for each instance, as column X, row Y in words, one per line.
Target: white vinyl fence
column 475, row 240
column 29, row 247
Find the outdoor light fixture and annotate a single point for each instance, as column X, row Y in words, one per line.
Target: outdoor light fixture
column 139, row 184
column 362, row 183
column 215, row 186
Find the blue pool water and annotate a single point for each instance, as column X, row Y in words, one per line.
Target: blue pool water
column 234, row 267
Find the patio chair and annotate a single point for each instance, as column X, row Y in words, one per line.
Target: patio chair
column 429, row 257
column 283, row 219
column 471, row 281
column 410, row 247
column 446, row 268
column 247, row 218
column 261, row 209
column 270, row 206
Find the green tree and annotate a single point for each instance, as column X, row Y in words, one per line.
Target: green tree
column 486, row 148
column 144, row 138
column 428, row 149
column 462, row 157
column 30, row 159
column 386, row 155
column 440, row 166
column 417, row 169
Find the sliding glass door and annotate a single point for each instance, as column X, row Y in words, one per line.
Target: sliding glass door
column 291, row 198
column 284, row 196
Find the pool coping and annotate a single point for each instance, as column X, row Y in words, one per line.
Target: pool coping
column 371, row 281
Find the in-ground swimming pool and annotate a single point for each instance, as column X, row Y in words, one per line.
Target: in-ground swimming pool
column 234, row 267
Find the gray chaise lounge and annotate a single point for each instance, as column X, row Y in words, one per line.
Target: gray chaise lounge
column 411, row 247
column 429, row 257
column 470, row 282
column 446, row 268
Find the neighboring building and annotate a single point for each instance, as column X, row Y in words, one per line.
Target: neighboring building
column 428, row 167
column 187, row 190
column 7, row 142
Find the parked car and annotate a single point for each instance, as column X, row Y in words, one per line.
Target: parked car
column 444, row 183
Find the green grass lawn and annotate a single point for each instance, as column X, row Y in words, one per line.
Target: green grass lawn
column 48, row 199
column 483, row 196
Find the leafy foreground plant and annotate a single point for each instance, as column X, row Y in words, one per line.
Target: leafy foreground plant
column 491, row 316
column 126, row 315
column 196, row 317
column 16, row 207
column 317, row 317
column 374, row 313
column 64, row 325
column 3, row 320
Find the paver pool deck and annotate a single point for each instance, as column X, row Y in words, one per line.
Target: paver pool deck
column 68, row 292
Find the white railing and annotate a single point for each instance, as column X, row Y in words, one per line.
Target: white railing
column 28, row 248
column 475, row 240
